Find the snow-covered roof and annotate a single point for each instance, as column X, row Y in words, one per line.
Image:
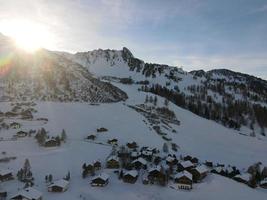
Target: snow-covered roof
column 4, row 172
column 113, row 158
column 147, row 153
column 229, row 169
column 170, row 159
column 50, row 139
column 135, row 154
column 29, row 193
column 60, row 183
column 245, row 176
column 219, row 169
column 187, row 164
column 132, row 173
column 156, row 168
column 183, row 173
column 141, row 160
column 102, row 176
column 201, row 169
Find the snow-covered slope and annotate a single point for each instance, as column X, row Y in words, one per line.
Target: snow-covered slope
column 230, row 98
column 206, row 139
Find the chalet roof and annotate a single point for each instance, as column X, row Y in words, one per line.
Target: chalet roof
column 149, row 149
column 244, row 176
column 141, row 160
column 155, row 168
column 60, row 183
column 50, row 139
column 21, row 132
column 201, row 169
column 135, row 154
column 229, row 169
column 132, row 173
column 102, row 176
column 187, row 164
column 170, row 159
column 147, row 153
column 4, row 172
column 219, row 169
column 113, row 158
column 29, row 193
column 183, row 174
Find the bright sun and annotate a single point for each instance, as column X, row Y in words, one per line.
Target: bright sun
column 28, row 35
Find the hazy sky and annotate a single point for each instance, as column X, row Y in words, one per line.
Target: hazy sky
column 195, row 34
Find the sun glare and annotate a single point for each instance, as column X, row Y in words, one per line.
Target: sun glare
column 28, row 36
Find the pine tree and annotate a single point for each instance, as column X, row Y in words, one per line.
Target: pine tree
column 155, row 101
column 67, row 178
column 146, row 100
column 50, row 178
column 166, row 102
column 84, row 166
column 63, row 135
column 165, row 148
column 58, row 140
column 27, row 167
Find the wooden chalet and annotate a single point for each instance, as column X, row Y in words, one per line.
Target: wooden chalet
column 113, row 141
column 61, row 185
column 157, row 174
column 187, row 158
column 97, row 165
column 219, row 170
column 139, row 163
column 91, row 137
column 184, row 180
column 171, row 160
column 199, row 173
column 146, row 154
column 51, row 143
column 113, row 162
column 243, row 178
column 21, row 134
column 130, row 176
column 102, row 129
column 185, row 165
column 194, row 160
column 28, row 194
column 209, row 163
column 89, row 169
column 132, row 145
column 100, row 180
column 6, row 175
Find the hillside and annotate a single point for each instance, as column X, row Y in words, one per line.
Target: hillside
column 233, row 99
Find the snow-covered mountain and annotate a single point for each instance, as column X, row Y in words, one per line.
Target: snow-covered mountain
column 47, row 76
column 158, row 107
column 233, row 99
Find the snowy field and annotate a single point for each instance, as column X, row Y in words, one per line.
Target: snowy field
column 195, row 136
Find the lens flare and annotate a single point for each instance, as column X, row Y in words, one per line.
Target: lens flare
column 5, row 64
